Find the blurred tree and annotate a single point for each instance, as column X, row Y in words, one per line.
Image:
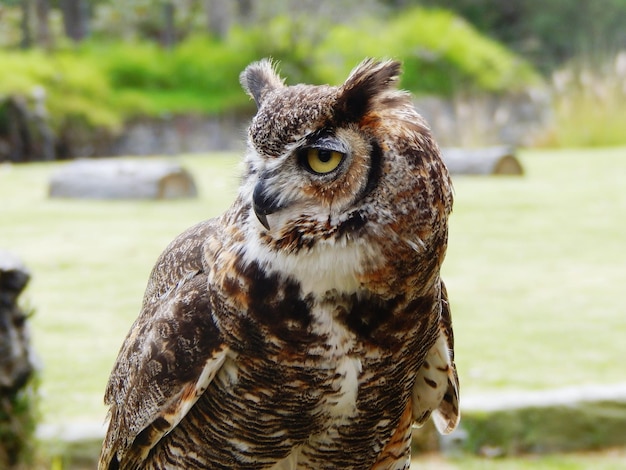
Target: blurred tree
column 75, row 19
column 245, row 9
column 219, row 17
column 44, row 39
column 26, row 41
column 163, row 21
column 168, row 35
column 546, row 32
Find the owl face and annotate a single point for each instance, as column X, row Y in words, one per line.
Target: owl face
column 339, row 166
column 307, row 169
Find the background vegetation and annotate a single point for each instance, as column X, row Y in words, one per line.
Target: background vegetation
column 104, row 62
column 107, row 82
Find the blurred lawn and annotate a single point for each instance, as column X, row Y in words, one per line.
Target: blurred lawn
column 535, row 270
column 90, row 262
column 611, row 459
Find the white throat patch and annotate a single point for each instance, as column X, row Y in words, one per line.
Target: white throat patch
column 330, row 265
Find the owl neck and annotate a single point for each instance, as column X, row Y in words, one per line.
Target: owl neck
column 346, row 264
column 326, row 266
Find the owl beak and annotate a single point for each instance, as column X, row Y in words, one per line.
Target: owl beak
column 263, row 203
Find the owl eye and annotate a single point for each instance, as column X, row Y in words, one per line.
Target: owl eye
column 322, row 161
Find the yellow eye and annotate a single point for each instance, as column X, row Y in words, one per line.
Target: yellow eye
column 323, row 161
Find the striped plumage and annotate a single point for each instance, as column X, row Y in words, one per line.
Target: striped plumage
column 307, row 327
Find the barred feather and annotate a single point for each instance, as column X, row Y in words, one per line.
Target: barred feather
column 307, row 327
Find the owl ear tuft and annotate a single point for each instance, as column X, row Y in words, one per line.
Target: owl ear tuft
column 260, row 78
column 367, row 80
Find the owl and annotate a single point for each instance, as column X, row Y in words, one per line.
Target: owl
column 308, row 326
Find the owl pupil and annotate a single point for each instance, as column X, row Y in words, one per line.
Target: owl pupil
column 324, row 155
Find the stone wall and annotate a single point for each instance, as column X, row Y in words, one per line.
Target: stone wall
column 181, row 134
column 515, row 119
column 477, row 120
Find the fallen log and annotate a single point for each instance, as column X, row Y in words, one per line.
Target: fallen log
column 122, row 179
column 482, row 161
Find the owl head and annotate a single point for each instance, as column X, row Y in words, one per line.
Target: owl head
column 334, row 165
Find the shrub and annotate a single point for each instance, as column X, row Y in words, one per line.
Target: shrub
column 102, row 84
column 75, row 88
column 440, row 51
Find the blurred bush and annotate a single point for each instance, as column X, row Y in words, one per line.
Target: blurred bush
column 75, row 87
column 548, row 33
column 441, row 52
column 101, row 84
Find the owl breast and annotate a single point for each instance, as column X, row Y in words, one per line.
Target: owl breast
column 316, row 357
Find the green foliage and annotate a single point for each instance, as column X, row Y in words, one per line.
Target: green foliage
column 441, row 53
column 211, row 69
column 75, row 89
column 548, row 33
column 612, row 459
column 544, row 430
column 131, row 65
column 101, row 84
column 199, row 75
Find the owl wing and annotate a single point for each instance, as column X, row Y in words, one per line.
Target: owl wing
column 169, row 357
column 436, row 388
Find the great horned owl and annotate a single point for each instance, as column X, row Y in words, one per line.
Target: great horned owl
column 308, row 326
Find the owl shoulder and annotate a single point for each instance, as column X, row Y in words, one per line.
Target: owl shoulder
column 169, row 357
column 180, row 259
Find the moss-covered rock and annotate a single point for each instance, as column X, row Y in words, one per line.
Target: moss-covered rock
column 557, row 428
column 17, row 396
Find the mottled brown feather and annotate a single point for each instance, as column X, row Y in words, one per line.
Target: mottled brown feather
column 314, row 336
column 164, row 353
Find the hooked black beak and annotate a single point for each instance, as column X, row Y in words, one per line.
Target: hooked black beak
column 263, row 203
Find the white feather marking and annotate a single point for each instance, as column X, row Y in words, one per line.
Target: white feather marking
column 345, row 367
column 348, row 369
column 288, row 463
column 329, row 265
column 419, row 247
column 211, row 368
column 431, row 382
column 229, row 373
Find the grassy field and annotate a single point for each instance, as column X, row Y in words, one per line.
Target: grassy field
column 535, row 271
column 612, row 459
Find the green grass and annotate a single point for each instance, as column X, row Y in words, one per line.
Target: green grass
column 535, row 272
column 608, row 460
